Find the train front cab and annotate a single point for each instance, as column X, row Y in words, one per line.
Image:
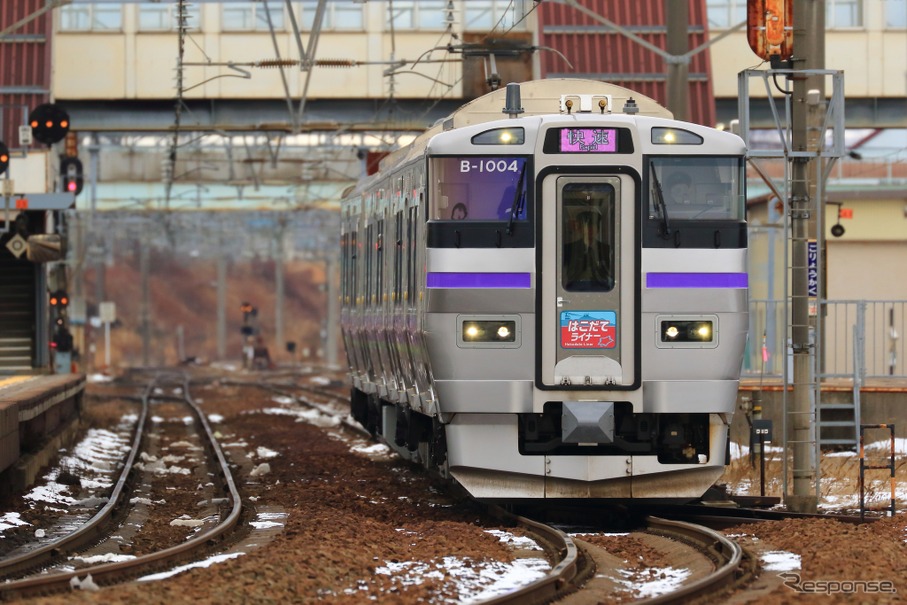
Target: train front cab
column 621, row 406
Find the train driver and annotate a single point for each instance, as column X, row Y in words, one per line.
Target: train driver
column 587, row 258
column 679, row 188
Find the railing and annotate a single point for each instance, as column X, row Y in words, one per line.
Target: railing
column 874, row 326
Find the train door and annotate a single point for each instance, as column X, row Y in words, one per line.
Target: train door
column 588, row 268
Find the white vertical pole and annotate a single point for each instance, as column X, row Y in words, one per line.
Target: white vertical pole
column 107, row 344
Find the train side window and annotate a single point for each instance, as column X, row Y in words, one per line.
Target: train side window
column 414, row 248
column 587, row 248
column 369, row 266
column 354, row 267
column 379, row 263
column 398, row 258
column 410, row 250
column 344, row 266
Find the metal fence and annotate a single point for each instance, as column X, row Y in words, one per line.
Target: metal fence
column 875, row 327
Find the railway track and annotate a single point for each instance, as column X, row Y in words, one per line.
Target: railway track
column 226, row 506
column 570, row 576
column 573, row 568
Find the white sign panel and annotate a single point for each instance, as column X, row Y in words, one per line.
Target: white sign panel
column 108, row 312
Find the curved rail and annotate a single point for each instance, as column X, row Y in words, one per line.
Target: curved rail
column 557, row 582
column 727, row 555
column 112, row 572
column 88, row 532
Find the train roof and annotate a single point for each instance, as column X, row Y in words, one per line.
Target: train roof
column 538, row 97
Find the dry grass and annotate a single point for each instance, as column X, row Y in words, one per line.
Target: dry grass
column 840, row 479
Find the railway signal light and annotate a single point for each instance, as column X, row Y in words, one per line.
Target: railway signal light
column 770, row 28
column 49, row 123
column 59, row 299
column 246, row 309
column 4, row 157
column 71, row 174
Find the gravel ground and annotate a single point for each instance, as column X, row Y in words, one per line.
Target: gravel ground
column 354, row 515
column 358, row 523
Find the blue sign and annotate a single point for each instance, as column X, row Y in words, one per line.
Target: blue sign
column 812, row 268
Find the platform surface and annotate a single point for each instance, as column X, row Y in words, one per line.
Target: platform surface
column 33, row 395
column 885, row 384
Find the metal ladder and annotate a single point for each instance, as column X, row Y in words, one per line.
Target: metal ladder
column 844, row 429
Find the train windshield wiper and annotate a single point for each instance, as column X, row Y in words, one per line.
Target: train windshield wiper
column 518, row 199
column 660, row 202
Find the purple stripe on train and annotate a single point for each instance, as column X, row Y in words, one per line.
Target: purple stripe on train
column 696, row 280
column 478, row 280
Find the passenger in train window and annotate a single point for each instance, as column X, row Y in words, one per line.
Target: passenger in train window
column 459, row 212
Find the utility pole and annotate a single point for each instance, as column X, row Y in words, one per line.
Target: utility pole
column 809, row 53
column 145, row 313
column 333, row 308
column 221, row 300
column 99, row 245
column 279, row 289
column 677, row 16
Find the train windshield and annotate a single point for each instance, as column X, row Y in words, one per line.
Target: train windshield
column 478, row 188
column 696, row 188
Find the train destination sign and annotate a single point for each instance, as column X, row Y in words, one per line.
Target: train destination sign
column 588, row 140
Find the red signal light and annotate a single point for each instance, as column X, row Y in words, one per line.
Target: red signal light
column 71, row 186
column 53, row 301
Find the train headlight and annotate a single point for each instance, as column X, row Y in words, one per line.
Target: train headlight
column 675, row 136
column 500, row 136
column 686, row 331
column 488, row 331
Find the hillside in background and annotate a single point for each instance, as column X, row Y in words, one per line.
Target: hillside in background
column 183, row 294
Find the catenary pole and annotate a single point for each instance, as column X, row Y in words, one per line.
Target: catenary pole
column 809, row 54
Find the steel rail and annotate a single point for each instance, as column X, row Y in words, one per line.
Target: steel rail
column 110, row 573
column 557, row 582
column 727, row 555
column 88, row 532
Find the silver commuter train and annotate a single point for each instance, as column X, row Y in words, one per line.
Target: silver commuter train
column 545, row 295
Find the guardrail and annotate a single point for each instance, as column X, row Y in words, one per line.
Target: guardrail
column 875, row 327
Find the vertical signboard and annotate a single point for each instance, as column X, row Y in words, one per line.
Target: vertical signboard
column 812, row 275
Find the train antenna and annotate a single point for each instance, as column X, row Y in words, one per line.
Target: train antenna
column 512, row 102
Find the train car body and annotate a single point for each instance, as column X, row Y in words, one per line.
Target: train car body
column 545, row 295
